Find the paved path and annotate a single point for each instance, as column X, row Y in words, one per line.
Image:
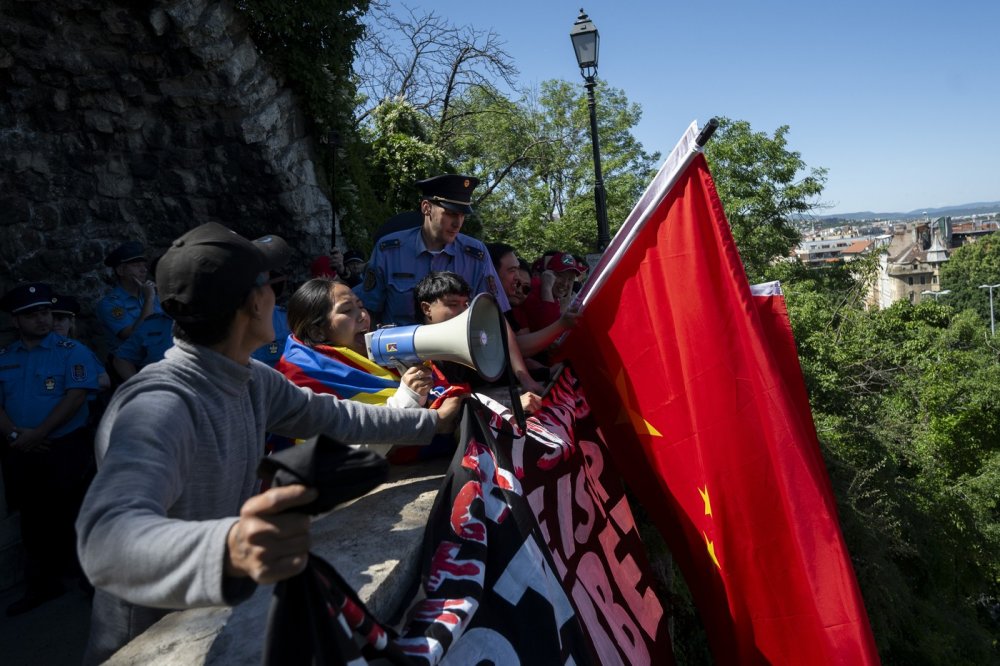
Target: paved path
column 53, row 634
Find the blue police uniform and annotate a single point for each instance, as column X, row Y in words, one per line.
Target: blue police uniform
column 400, row 260
column 119, row 310
column 33, row 381
column 272, row 351
column 149, row 341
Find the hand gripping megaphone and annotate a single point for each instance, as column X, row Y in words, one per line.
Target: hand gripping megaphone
column 473, row 338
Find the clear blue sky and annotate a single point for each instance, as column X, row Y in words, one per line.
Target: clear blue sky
column 900, row 100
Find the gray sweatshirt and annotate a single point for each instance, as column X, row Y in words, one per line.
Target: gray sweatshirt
column 178, row 450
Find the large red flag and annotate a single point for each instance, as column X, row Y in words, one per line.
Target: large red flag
column 710, row 425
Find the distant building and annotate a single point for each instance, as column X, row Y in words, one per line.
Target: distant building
column 911, row 264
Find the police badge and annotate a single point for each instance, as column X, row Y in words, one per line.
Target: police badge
column 79, row 372
column 370, row 279
column 118, row 312
column 50, row 383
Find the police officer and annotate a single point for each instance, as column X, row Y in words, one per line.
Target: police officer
column 65, row 310
column 148, row 343
column 133, row 298
column 272, row 351
column 45, row 379
column 403, row 258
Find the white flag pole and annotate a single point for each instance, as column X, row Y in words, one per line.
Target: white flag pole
column 680, row 157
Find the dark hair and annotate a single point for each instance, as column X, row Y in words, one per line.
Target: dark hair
column 498, row 251
column 524, row 265
column 205, row 333
column 437, row 285
column 309, row 306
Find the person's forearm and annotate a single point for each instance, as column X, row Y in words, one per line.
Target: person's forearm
column 125, row 369
column 62, row 412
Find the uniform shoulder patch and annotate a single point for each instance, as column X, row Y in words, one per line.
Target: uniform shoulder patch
column 118, row 312
column 491, row 284
column 389, row 244
column 474, row 252
column 79, row 372
column 370, row 279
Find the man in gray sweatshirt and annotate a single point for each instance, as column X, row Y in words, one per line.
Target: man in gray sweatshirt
column 172, row 519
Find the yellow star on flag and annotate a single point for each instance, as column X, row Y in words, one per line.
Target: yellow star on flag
column 628, row 415
column 711, row 551
column 708, row 502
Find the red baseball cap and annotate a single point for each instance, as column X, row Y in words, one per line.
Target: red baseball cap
column 561, row 262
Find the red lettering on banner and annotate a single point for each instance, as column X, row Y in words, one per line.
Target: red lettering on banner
column 595, row 579
column 463, row 523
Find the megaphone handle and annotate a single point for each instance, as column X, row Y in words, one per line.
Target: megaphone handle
column 515, row 399
column 399, row 365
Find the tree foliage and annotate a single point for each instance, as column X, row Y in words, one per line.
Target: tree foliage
column 967, row 268
column 764, row 187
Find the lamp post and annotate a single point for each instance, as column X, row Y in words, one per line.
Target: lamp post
column 935, row 294
column 991, row 287
column 586, row 41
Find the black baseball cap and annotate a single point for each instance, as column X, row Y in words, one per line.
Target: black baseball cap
column 208, row 272
column 451, row 191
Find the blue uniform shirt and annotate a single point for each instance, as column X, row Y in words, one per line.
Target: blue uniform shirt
column 400, row 260
column 149, row 341
column 118, row 310
column 33, row 381
column 272, row 351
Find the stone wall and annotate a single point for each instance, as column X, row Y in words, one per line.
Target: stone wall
column 139, row 120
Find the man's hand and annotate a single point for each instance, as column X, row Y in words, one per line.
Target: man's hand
column 266, row 544
column 530, row 402
column 448, row 414
column 529, row 384
column 30, row 440
column 337, row 262
column 548, row 281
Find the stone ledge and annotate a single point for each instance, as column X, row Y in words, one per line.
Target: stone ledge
column 374, row 542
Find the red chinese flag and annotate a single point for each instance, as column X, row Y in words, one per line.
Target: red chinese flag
column 709, row 424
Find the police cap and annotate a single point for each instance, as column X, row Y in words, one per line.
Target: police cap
column 24, row 298
column 451, row 191
column 124, row 253
column 65, row 305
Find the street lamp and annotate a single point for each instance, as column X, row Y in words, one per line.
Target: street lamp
column 935, row 294
column 586, row 42
column 991, row 287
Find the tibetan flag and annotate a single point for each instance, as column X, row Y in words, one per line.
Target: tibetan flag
column 709, row 424
column 337, row 370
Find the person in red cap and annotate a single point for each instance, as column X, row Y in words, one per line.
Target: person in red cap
column 173, row 518
column 550, row 296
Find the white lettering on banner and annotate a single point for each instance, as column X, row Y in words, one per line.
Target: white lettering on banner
column 564, row 505
column 594, row 467
column 607, row 653
column 536, row 500
column 481, row 645
column 646, row 607
column 592, row 574
column 527, row 569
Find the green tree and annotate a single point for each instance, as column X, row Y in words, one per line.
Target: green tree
column 764, row 188
column 968, row 267
column 536, row 158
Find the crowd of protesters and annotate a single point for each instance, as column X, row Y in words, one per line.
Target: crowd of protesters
column 203, row 366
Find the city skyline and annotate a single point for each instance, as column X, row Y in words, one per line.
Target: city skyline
column 892, row 98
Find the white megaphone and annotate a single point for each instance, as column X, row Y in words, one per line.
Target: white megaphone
column 473, row 338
